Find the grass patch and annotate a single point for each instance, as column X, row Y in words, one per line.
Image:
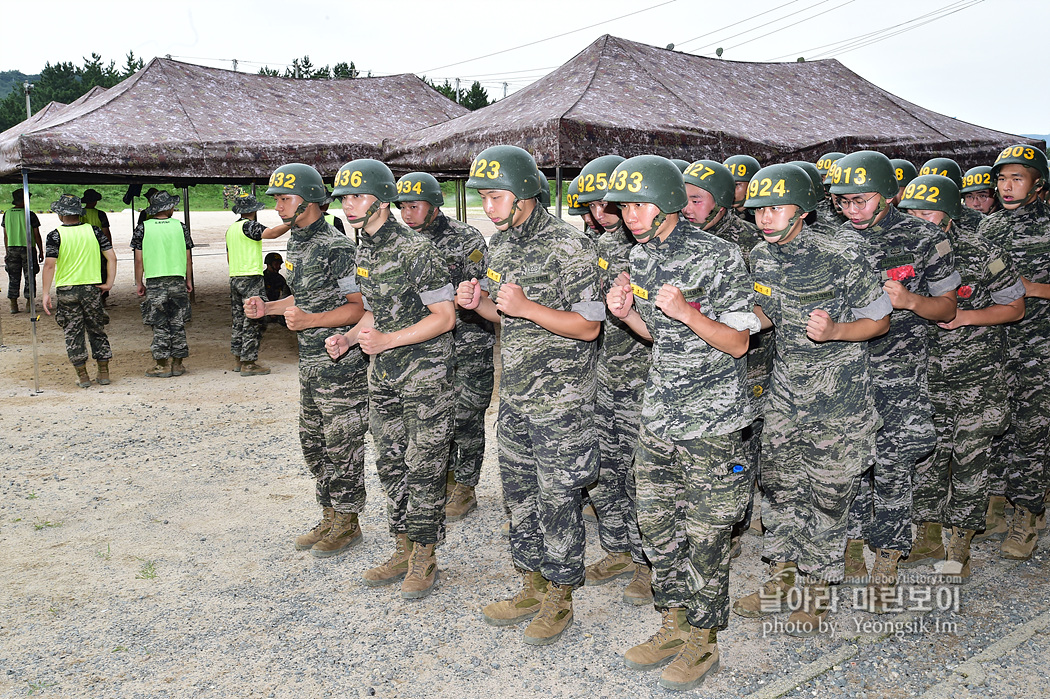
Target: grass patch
column 46, row 524
column 148, row 571
column 35, row 687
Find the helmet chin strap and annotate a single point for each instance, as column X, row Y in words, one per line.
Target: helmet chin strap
column 510, row 219
column 647, row 234
column 786, row 230
column 299, row 210
column 883, row 205
column 712, row 216
column 363, row 220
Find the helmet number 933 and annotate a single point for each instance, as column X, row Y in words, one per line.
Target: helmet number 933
column 765, row 188
column 282, row 179
column 485, row 169
column 631, row 181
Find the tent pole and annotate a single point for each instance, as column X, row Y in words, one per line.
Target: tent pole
column 186, row 214
column 463, row 198
column 33, row 317
column 459, row 204
column 557, row 184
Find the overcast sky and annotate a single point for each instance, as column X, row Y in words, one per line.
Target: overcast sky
column 982, row 61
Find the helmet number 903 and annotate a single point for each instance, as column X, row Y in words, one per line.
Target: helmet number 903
column 354, row 179
column 485, row 169
column 631, row 181
column 1017, row 152
column 765, row 187
column 282, row 179
column 699, row 171
column 921, row 192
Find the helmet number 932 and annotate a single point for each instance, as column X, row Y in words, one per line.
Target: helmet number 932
column 631, row 181
column 765, row 188
column 354, row 179
column 282, row 179
column 921, row 192
column 485, row 169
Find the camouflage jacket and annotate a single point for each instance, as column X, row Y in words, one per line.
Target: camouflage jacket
column 556, row 266
column 400, row 273
column 463, row 249
column 320, row 265
column 827, row 214
column 742, row 233
column 693, row 390
column 624, row 357
column 815, row 381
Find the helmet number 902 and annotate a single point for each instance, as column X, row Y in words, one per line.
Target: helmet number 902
column 979, row 178
column 765, row 187
column 354, row 179
column 282, row 179
column 479, row 169
column 921, row 192
column 631, row 181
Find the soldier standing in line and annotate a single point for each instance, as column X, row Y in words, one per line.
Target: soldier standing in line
column 1022, row 229
column 72, row 253
column 97, row 218
column 905, row 172
column 333, row 397
column 828, row 210
column 16, row 262
column 915, row 260
column 742, row 168
column 407, row 331
column 967, row 383
column 623, row 363
column 968, row 218
column 820, row 420
column 163, row 270
column 541, row 285
column 590, row 227
column 689, row 292
column 978, row 190
column 463, row 248
column 244, row 255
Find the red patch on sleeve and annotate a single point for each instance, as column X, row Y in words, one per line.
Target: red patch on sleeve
column 901, row 273
column 695, row 304
column 965, row 292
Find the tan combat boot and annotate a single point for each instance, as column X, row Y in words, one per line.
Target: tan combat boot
column 1019, row 543
column 856, row 569
column 957, row 566
column 344, row 533
column 882, row 587
column 422, row 572
column 14, row 306
column 237, row 363
column 553, row 617
column 808, row 619
column 103, row 373
column 639, row 591
column 609, row 568
column 307, row 540
column 254, row 369
column 177, row 369
column 521, row 606
column 697, row 659
column 995, row 524
column 83, row 380
column 461, row 503
column 160, row 370
column 772, row 596
column 928, row 546
column 662, row 646
column 394, row 568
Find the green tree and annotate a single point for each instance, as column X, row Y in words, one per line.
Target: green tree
column 476, row 97
column 344, row 71
column 132, row 65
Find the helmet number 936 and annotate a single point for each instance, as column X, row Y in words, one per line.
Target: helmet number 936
column 485, row 169
column 631, row 181
column 354, row 179
column 765, row 188
column 921, row 192
column 282, row 179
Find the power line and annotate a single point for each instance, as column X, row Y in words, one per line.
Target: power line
column 806, row 19
column 766, row 24
column 746, row 19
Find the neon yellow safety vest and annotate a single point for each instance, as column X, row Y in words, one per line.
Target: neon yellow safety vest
column 245, row 254
column 15, row 225
column 91, row 216
column 330, row 219
column 78, row 253
column 163, row 248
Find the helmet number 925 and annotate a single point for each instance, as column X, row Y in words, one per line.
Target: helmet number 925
column 631, row 181
column 282, row 179
column 485, row 169
column 594, row 182
column 354, row 179
column 921, row 192
column 765, row 188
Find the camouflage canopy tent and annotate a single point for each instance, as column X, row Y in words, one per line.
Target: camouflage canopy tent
column 622, row 97
column 182, row 123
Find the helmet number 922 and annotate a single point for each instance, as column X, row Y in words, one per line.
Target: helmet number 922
column 631, row 181
column 485, row 169
column 282, row 179
column 354, row 179
column 765, row 187
column 921, row 192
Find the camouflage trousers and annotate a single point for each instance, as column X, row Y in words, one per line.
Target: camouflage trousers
column 412, row 431
column 1026, row 445
column 810, row 475
column 882, row 511
column 617, row 419
column 79, row 312
column 690, row 494
column 472, row 383
column 17, row 264
column 759, row 368
column 245, row 331
column 167, row 309
column 544, row 461
column 333, row 422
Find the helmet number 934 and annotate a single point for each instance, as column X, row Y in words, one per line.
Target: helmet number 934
column 354, row 179
column 410, row 187
column 282, row 179
column 631, row 181
column 485, row 169
column 765, row 188
column 921, row 192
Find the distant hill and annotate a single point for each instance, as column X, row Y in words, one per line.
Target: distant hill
column 1044, row 136
column 11, row 78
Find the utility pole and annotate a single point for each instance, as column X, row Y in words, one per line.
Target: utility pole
column 28, row 87
column 504, row 90
column 457, row 90
column 235, row 65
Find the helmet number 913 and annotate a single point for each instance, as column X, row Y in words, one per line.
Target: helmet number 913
column 485, row 169
column 842, row 176
column 282, row 179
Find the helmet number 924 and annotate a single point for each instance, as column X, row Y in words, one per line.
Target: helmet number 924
column 921, row 192
column 485, row 169
column 631, row 181
column 354, row 179
column 765, row 188
column 282, row 179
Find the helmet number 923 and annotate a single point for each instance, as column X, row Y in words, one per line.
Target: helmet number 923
column 281, row 179
column 485, row 169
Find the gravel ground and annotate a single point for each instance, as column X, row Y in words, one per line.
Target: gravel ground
column 148, row 529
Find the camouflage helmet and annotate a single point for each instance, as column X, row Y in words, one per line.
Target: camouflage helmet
column 67, row 205
column 1022, row 154
column 247, row 204
column 162, row 201
column 365, row 176
column 299, row 180
column 777, row 185
column 814, row 175
column 680, row 164
column 594, row 177
column 648, row 179
column 573, row 198
column 933, row 193
column 713, row 177
column 508, row 168
column 419, row 186
column 825, row 162
column 862, row 172
column 946, row 167
column 742, row 167
column 544, row 197
column 977, row 178
column 904, row 171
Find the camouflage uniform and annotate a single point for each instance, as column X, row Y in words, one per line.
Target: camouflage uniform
column 463, row 248
column 967, row 389
column 166, row 307
column 548, row 447
column 410, row 388
column 333, row 397
column 1024, row 234
column 79, row 309
column 623, row 362
column 244, row 331
column 820, row 416
column 692, row 473
column 900, row 245
column 17, row 261
column 827, row 214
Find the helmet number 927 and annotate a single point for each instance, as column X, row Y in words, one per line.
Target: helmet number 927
column 631, row 181
column 485, row 169
column 921, row 192
column 699, row 171
column 354, row 179
column 765, row 188
column 282, row 179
